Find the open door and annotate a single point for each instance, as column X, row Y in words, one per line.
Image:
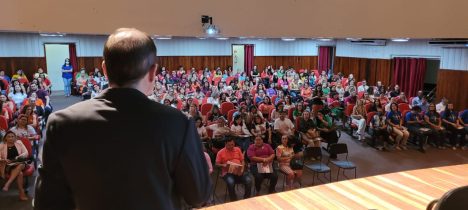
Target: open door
column 55, row 58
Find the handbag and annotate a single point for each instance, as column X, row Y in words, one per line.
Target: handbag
column 296, row 164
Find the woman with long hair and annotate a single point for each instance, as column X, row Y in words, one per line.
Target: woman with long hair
column 395, row 120
column 359, row 118
column 13, row 150
column 284, row 154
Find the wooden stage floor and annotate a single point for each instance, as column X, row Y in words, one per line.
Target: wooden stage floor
column 402, row 190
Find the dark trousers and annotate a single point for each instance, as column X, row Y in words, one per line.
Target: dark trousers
column 231, row 180
column 438, row 137
column 47, row 111
column 456, row 136
column 380, row 136
column 273, row 177
column 420, row 136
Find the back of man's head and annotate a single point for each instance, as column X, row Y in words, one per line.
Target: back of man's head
column 128, row 55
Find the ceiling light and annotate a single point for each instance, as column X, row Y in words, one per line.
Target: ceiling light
column 354, row 39
column 400, row 39
column 222, row 38
column 52, row 34
column 208, row 27
column 288, row 39
column 242, row 37
column 164, row 37
column 201, row 37
column 325, row 39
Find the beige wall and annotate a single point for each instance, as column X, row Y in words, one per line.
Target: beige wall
column 260, row 18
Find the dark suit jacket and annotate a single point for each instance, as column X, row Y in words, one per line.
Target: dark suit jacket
column 121, row 151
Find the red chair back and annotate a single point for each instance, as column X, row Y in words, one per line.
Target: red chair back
column 349, row 110
column 205, row 108
column 226, row 107
column 369, row 117
column 230, row 114
column 209, row 132
column 273, row 99
column 403, row 115
column 3, row 123
column 298, row 122
column 290, row 113
column 360, row 95
column 317, row 108
column 28, row 145
column 335, row 104
column 368, row 107
column 344, row 82
column 403, row 107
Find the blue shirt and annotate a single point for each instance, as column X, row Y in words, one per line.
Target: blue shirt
column 394, row 117
column 416, row 101
column 410, row 116
column 67, row 75
column 450, row 116
column 433, row 117
column 464, row 116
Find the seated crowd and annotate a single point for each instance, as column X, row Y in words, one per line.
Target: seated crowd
column 249, row 122
column 26, row 105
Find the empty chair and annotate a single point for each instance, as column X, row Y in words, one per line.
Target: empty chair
column 205, row 108
column 345, row 164
column 317, row 167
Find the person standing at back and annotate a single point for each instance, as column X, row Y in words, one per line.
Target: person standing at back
column 121, row 150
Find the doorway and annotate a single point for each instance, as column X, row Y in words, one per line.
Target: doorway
column 55, row 57
column 430, row 76
column 237, row 58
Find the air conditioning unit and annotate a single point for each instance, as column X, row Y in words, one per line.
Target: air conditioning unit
column 373, row 42
column 449, row 43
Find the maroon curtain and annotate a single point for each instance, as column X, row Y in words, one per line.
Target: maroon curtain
column 73, row 58
column 409, row 74
column 324, row 59
column 248, row 58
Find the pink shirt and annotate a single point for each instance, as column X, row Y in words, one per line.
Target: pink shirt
column 264, row 151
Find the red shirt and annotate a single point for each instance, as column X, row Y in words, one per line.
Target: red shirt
column 234, row 155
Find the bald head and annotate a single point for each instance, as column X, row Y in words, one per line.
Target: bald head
column 129, row 55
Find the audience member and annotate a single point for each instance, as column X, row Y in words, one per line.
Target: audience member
column 261, row 157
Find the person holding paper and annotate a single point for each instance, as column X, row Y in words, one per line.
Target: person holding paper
column 231, row 161
column 261, row 157
column 11, row 151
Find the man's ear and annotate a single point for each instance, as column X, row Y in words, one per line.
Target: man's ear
column 104, row 69
column 152, row 73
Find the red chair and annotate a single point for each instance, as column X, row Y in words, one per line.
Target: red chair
column 317, row 108
column 3, row 123
column 360, row 95
column 229, row 79
column 410, row 101
column 403, row 115
column 403, row 107
column 29, row 168
column 358, row 84
column 344, row 82
column 290, row 113
column 226, row 107
column 368, row 107
column 230, row 114
column 369, row 117
column 348, row 112
column 273, row 99
column 335, row 104
column 205, row 108
column 298, row 122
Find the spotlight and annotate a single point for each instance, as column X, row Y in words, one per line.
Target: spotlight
column 208, row 26
column 400, row 39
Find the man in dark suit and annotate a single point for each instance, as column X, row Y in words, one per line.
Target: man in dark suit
column 121, row 150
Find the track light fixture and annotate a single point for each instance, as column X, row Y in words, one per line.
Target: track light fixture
column 208, row 27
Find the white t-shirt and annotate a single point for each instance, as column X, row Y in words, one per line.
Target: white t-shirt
column 240, row 129
column 284, row 126
column 218, row 131
column 20, row 132
column 18, row 98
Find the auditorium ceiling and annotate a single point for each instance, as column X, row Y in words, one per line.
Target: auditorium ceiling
column 244, row 18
